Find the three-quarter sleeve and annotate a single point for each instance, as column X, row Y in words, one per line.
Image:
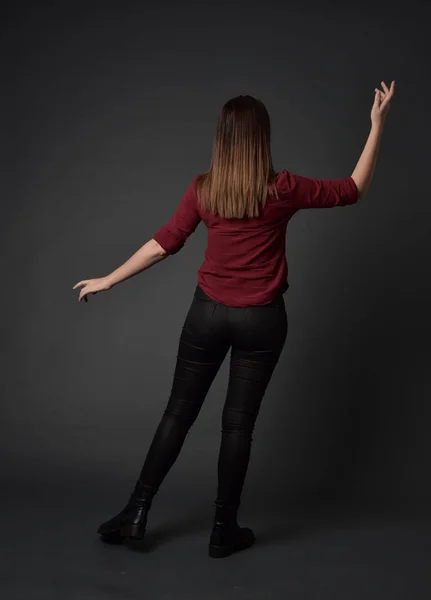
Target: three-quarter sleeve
column 173, row 235
column 304, row 192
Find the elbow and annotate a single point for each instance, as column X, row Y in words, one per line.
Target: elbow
column 359, row 188
column 159, row 251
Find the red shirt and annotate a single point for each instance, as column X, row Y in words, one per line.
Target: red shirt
column 245, row 260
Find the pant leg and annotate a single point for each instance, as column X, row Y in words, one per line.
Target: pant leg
column 202, row 348
column 258, row 339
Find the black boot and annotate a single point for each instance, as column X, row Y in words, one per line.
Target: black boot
column 131, row 522
column 227, row 536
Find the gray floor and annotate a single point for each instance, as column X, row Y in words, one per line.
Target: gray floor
column 49, row 550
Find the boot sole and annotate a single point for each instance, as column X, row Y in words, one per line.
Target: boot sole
column 134, row 532
column 111, row 537
column 223, row 551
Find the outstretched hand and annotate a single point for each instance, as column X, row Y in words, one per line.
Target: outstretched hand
column 92, row 286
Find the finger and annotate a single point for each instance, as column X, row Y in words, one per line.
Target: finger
column 377, row 97
column 387, row 97
column 384, row 86
column 84, row 282
column 385, row 102
column 392, row 89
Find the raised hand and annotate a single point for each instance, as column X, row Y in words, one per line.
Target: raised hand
column 381, row 104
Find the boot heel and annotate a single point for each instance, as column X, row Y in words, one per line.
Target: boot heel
column 215, row 551
column 132, row 531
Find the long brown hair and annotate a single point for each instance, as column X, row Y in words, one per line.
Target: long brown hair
column 241, row 174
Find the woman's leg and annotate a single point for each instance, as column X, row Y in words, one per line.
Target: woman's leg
column 257, row 344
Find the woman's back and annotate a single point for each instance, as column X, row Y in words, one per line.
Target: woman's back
column 245, row 260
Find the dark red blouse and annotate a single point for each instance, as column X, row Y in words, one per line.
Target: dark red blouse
column 245, row 260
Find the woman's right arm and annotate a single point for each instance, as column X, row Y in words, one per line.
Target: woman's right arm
column 364, row 170
column 305, row 192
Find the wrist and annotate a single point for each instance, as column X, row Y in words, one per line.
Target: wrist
column 109, row 281
column 377, row 127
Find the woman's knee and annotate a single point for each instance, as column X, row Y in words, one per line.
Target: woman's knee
column 234, row 421
column 181, row 411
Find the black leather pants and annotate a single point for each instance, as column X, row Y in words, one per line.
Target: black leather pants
column 256, row 336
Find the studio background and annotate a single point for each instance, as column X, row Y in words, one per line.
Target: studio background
column 108, row 111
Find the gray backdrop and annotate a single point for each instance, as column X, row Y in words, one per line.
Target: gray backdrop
column 107, row 114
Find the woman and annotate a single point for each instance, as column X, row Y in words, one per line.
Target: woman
column 238, row 303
